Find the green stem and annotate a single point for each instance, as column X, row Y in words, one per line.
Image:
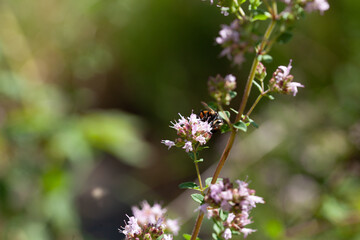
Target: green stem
column 254, row 104
column 199, row 176
column 230, row 142
column 253, row 69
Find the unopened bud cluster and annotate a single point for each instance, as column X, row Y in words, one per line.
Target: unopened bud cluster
column 260, row 72
column 149, row 223
column 191, row 131
column 282, row 81
column 236, row 201
column 221, row 89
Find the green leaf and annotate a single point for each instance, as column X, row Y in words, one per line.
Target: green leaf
column 253, row 123
column 208, row 181
column 217, row 229
column 233, row 94
column 254, row 4
column 271, row 97
column 241, row 126
column 197, row 197
column 257, row 85
column 266, row 58
column 223, row 215
column 192, row 155
column 160, row 237
column 284, row 37
column 223, row 116
column 215, row 237
column 188, row 236
column 188, row 185
column 260, row 15
column 202, row 147
column 199, row 160
column 225, row 128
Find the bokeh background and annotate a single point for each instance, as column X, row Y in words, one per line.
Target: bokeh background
column 87, row 90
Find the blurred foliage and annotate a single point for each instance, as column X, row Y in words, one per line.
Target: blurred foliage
column 84, row 82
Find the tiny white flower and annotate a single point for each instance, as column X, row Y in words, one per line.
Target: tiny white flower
column 173, row 225
column 230, row 78
column 227, row 234
column 167, row 237
column 188, row 146
column 230, row 218
column 201, row 139
column 168, row 143
column 247, row 231
column 292, row 86
column 320, row 5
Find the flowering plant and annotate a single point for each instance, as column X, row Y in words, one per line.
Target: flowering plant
column 229, row 205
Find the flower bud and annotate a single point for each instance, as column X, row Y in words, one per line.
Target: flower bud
column 260, row 72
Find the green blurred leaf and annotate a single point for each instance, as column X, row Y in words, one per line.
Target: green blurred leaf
column 189, row 185
column 241, row 126
column 334, row 210
column 197, row 197
column 224, row 114
column 116, row 133
column 188, row 236
column 233, row 94
column 274, row 229
column 225, row 128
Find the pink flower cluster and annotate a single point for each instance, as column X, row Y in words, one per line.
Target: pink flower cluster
column 282, row 81
column 311, row 5
column 237, row 201
column 191, row 131
column 149, row 223
column 229, row 39
column 317, row 5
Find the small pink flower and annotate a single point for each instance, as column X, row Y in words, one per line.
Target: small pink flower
column 320, row 5
column 173, row 226
column 292, row 87
column 227, row 234
column 167, row 237
column 247, row 231
column 168, row 143
column 188, row 146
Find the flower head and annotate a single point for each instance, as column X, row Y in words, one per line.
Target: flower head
column 236, row 201
column 149, row 222
column 229, row 39
column 191, row 131
column 221, row 89
column 282, row 81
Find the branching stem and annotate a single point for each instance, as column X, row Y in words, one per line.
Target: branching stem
column 242, row 106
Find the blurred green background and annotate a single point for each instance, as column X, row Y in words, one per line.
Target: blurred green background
column 87, row 90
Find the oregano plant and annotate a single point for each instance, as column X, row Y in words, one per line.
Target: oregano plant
column 228, row 203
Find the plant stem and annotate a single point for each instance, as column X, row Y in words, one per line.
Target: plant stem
column 199, row 176
column 230, row 142
column 254, row 104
